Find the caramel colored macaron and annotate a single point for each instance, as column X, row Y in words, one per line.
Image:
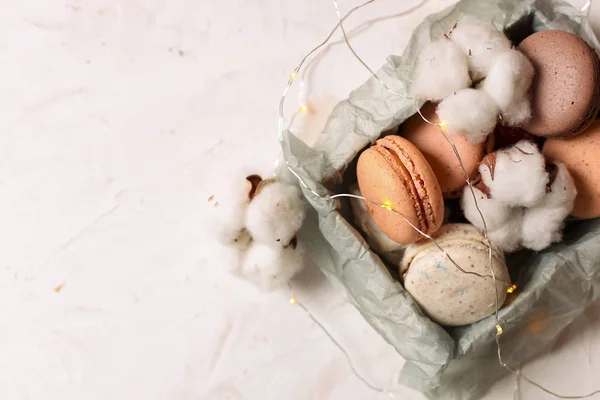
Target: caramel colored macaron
column 580, row 155
column 439, row 153
column 565, row 95
column 394, row 173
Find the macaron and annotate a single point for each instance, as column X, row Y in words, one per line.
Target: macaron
column 439, row 153
column 447, row 295
column 565, row 93
column 581, row 155
column 384, row 246
column 395, row 174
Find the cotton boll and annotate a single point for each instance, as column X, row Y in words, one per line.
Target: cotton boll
column 383, row 245
column 508, row 236
column 509, row 79
column 269, row 267
column 517, row 113
column 441, row 70
column 232, row 254
column 470, row 113
column 275, row 214
column 516, row 175
column 496, row 214
column 543, row 223
column 503, row 222
column 228, row 210
column 482, row 41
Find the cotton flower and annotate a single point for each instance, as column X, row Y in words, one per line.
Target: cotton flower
column 228, row 211
column 508, row 237
column 517, row 113
column 442, row 69
column 275, row 214
column 502, row 222
column 481, row 42
column 543, row 223
column 269, row 267
column 516, row 175
column 255, row 228
column 469, row 112
column 508, row 82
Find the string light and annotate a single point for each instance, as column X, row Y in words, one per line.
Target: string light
column 303, row 108
column 442, row 125
column 387, row 205
column 341, row 348
column 499, row 330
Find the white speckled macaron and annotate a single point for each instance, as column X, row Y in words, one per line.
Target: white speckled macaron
column 447, row 295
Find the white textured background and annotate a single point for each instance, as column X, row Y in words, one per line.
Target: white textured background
column 118, row 119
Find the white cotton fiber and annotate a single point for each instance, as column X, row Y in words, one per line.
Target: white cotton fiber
column 482, row 41
column 269, row 267
column 503, row 222
column 508, row 236
column 441, row 70
column 470, row 113
column 517, row 113
column 518, row 176
column 233, row 253
column 509, row 79
column 495, row 213
column 543, row 223
column 275, row 214
column 383, row 245
column 228, row 210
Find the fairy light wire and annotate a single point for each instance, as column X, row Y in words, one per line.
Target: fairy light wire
column 293, row 300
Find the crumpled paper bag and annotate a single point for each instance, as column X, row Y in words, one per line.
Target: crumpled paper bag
column 555, row 285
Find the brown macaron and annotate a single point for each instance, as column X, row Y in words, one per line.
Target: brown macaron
column 565, row 94
column 439, row 153
column 394, row 173
column 580, row 156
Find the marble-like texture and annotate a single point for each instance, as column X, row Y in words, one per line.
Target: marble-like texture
column 119, row 119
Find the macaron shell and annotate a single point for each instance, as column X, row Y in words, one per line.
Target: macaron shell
column 565, row 96
column 407, row 182
column 379, row 182
column 449, row 296
column 447, row 234
column 379, row 242
column 439, row 153
column 424, row 179
column 580, row 155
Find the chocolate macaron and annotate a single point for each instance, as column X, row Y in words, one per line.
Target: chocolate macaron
column 439, row 153
column 580, row 156
column 565, row 94
column 394, row 173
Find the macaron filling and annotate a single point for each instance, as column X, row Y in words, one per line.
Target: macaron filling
column 416, row 185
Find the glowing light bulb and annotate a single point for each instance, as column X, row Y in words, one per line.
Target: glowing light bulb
column 293, row 75
column 443, row 125
column 293, row 300
column 498, row 330
column 387, row 205
column 511, row 289
column 303, row 108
